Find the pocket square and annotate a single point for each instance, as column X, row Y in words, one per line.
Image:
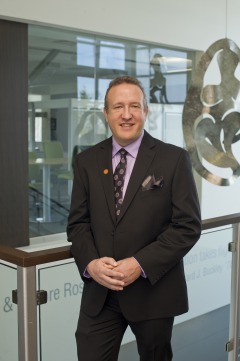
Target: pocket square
column 151, row 183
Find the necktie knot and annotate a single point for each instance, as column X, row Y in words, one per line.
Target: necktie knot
column 122, row 152
column 123, row 156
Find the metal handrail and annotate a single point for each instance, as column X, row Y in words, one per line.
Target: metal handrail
column 220, row 221
column 27, row 259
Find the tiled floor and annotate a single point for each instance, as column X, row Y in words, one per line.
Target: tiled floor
column 200, row 339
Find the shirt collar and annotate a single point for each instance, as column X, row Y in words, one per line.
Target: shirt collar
column 131, row 148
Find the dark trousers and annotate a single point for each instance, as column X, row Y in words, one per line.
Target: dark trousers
column 99, row 338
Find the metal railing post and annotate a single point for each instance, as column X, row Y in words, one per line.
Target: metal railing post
column 27, row 314
column 233, row 344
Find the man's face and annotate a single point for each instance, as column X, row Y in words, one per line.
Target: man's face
column 126, row 114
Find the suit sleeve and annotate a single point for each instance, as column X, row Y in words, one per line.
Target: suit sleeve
column 183, row 230
column 79, row 227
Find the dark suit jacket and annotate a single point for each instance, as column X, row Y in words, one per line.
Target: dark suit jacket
column 157, row 226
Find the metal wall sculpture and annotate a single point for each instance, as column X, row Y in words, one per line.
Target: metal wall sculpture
column 211, row 115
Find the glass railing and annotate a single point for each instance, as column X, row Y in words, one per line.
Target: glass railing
column 8, row 313
column 46, row 329
column 201, row 334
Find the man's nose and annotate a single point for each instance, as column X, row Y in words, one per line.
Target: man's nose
column 126, row 113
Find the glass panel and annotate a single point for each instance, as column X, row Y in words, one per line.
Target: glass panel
column 201, row 334
column 69, row 73
column 8, row 313
column 58, row 318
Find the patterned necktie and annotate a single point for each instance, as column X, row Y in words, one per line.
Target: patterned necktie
column 118, row 178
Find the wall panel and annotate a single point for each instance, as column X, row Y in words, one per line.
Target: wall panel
column 13, row 134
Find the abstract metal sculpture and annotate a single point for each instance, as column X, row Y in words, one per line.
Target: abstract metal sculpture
column 211, row 115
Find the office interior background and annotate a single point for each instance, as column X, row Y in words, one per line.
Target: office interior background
column 56, row 63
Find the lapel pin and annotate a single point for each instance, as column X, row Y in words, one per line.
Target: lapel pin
column 105, row 171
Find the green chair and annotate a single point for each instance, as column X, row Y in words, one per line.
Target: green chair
column 53, row 149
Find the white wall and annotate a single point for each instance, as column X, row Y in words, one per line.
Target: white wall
column 187, row 23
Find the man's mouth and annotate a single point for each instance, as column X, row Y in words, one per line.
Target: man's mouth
column 126, row 125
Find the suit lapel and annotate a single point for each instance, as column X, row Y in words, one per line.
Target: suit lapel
column 144, row 159
column 104, row 157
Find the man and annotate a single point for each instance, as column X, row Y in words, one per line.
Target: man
column 131, row 258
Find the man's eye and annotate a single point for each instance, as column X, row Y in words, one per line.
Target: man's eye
column 135, row 106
